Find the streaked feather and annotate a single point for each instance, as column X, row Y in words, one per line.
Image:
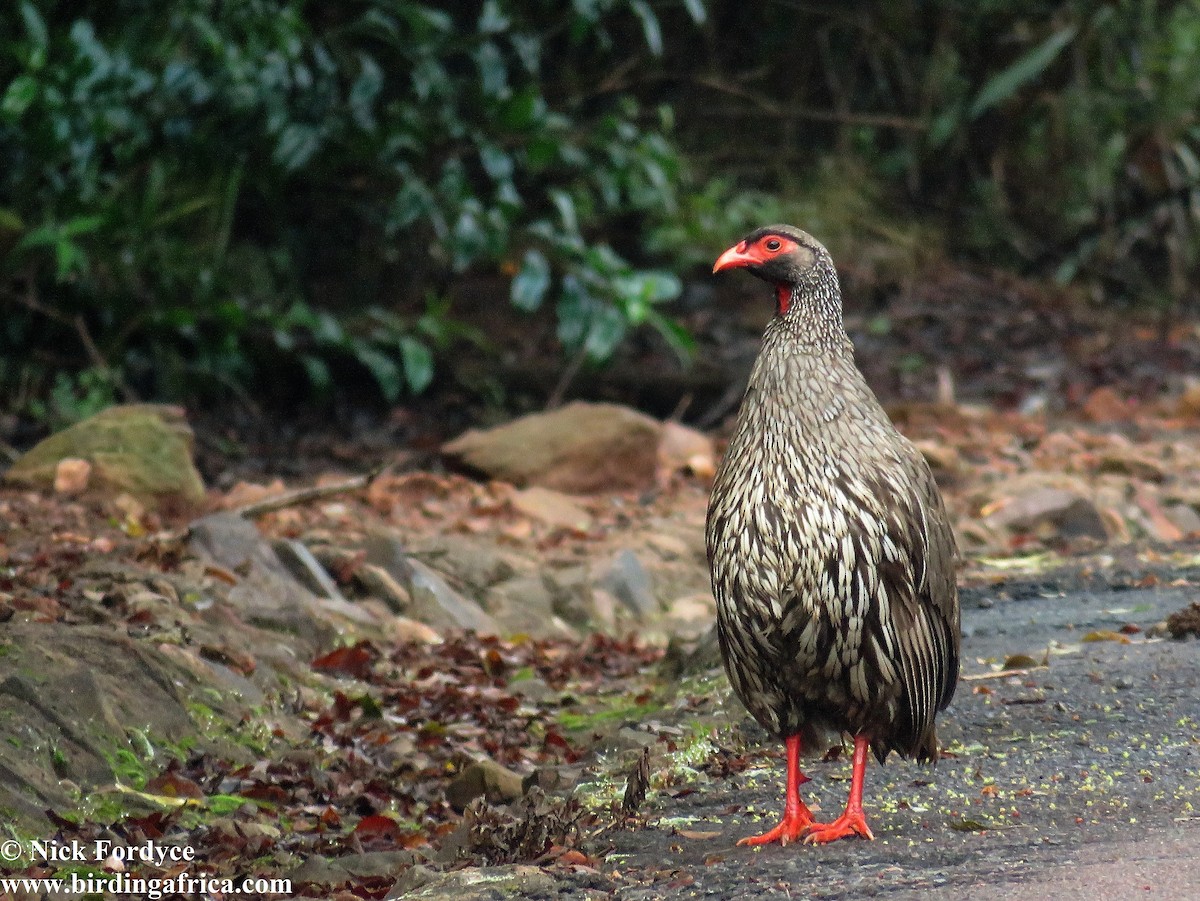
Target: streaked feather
column 831, row 553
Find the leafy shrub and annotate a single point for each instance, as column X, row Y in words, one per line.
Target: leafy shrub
column 1056, row 138
column 198, row 194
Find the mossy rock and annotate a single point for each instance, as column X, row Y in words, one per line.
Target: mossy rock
column 142, row 449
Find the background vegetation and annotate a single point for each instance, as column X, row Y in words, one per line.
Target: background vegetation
column 197, row 197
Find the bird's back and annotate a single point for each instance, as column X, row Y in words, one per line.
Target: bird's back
column 832, row 558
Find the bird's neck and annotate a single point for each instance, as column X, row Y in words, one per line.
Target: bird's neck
column 810, row 312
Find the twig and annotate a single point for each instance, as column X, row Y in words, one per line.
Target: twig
column 30, row 301
column 304, row 495
column 1003, row 674
column 554, row 401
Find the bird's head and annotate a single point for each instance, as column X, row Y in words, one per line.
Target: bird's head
column 788, row 258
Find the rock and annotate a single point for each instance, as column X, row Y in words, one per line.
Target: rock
column 683, row 449
column 301, row 563
column 436, row 603
column 1188, row 403
column 71, row 476
column 401, row 629
column 73, row 698
column 580, row 448
column 1130, row 463
column 380, row 583
column 478, row 884
column 669, row 547
column 692, row 616
column 487, row 779
column 552, row 508
column 687, row 659
column 571, row 594
column 264, row 593
column 1184, row 517
column 337, row 871
column 1106, row 405
column 526, row 605
column 475, row 563
column 1062, row 510
column 1156, row 521
column 142, row 449
column 414, row 587
column 628, row 580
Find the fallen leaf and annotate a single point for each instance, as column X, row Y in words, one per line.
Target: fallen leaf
column 353, row 660
column 696, row 834
column 1106, row 635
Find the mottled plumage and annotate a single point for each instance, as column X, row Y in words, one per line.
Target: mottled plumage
column 832, row 558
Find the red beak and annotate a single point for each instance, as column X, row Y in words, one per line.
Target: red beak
column 735, row 257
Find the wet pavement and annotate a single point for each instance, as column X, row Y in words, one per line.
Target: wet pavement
column 1080, row 779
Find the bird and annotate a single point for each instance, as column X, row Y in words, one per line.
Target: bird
column 832, row 557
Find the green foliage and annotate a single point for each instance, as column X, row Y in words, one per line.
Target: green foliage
column 213, row 193
column 1056, row 138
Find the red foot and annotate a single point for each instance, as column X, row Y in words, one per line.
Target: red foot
column 796, row 815
column 796, row 821
column 848, row 824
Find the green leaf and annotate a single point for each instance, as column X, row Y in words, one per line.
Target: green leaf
column 364, row 91
column 531, row 283
column 566, row 209
column 496, row 163
column 695, row 9
column 19, row 96
column 493, row 73
column 650, row 27
column 383, row 369
column 1005, row 84
column 678, row 338
column 39, row 36
column 492, row 19
column 418, row 363
column 297, row 144
column 606, row 331
column 318, row 372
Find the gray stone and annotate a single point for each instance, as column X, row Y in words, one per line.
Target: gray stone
column 436, row 603
column 330, row 871
column 380, row 583
column 301, row 563
column 1068, row 513
column 266, row 593
column 628, row 580
column 525, row 605
column 478, row 884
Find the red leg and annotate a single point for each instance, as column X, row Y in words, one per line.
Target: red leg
column 796, row 815
column 852, row 821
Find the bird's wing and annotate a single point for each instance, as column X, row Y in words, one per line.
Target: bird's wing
column 923, row 599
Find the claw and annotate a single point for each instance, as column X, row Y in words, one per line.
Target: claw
column 849, row 823
column 794, row 825
column 852, row 821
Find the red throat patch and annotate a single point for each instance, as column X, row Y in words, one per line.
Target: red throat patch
column 783, row 298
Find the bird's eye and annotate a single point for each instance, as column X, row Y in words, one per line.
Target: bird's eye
column 773, row 244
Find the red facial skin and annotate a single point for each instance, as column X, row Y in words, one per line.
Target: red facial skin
column 761, row 252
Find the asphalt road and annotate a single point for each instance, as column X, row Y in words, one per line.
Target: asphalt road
column 1080, row 779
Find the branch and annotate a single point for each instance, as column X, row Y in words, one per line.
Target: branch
column 304, row 495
